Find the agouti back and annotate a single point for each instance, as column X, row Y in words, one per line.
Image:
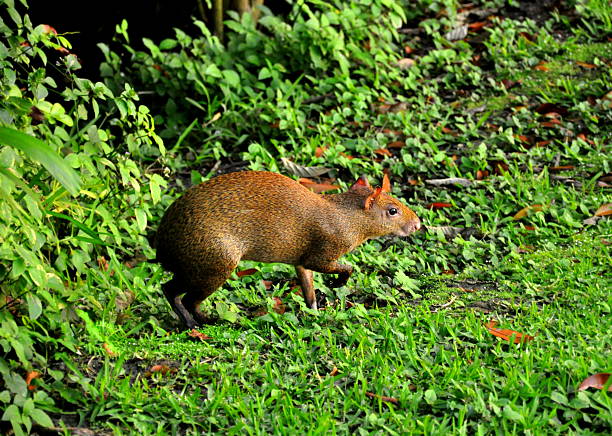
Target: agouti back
column 267, row 217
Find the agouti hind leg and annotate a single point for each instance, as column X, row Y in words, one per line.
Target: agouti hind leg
column 200, row 288
column 172, row 290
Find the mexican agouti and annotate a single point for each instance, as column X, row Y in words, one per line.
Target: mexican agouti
column 267, row 217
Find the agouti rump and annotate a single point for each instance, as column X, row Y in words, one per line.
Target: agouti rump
column 267, row 217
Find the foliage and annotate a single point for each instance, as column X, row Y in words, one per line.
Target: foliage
column 517, row 113
column 58, row 226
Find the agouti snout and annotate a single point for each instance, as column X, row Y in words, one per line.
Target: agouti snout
column 267, row 217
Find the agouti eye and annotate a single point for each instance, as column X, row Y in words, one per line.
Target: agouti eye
column 393, row 211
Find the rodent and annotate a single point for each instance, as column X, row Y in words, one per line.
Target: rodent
column 268, row 217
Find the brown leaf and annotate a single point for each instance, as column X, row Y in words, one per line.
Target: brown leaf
column 506, row 334
column 478, row 25
column 480, row 175
column 510, row 83
column 584, row 138
column 162, row 369
column 267, row 284
column 524, row 211
column 396, row 144
column 198, row 335
column 438, row 205
column 246, row 272
column 562, row 168
column 407, row 49
column 333, row 372
column 103, row 263
column 109, row 351
column 30, row 376
column 545, row 108
column 320, row 151
column 383, row 398
column 383, row 152
column 36, row 115
column 405, row 63
column 530, row 228
column 604, row 210
column 543, row 143
column 551, row 123
column 585, row 65
column 597, row 381
column 541, row 66
column 317, row 187
column 279, row 307
column 124, row 299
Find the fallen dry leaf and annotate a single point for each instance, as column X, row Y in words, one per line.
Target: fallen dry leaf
column 383, row 152
column 524, row 211
column 405, row 63
column 604, row 210
column 506, row 334
column 396, row 144
column 478, row 25
column 438, row 205
column 333, row 372
column 161, row 369
column 246, row 272
column 317, row 187
column 279, row 307
column 320, row 151
column 108, row 350
column 561, row 168
column 541, row 66
column 545, row 108
column 383, row 398
column 198, row 335
column 597, row 381
column 480, row 174
column 585, row 65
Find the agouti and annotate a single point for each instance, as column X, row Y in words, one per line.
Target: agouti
column 267, row 217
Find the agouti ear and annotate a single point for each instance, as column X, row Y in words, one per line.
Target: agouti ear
column 386, row 184
column 362, row 181
column 372, row 198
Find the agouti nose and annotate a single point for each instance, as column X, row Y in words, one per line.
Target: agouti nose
column 411, row 226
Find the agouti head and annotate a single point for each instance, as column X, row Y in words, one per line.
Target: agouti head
column 382, row 214
column 267, row 217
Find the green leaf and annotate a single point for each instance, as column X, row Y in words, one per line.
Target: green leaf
column 41, row 418
column 231, row 78
column 141, row 219
column 34, row 306
column 512, row 414
column 40, row 152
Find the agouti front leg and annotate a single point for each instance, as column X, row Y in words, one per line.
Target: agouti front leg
column 343, row 271
column 305, row 278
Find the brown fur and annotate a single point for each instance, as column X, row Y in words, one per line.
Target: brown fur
column 267, row 217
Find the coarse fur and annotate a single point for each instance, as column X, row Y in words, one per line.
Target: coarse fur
column 267, row 217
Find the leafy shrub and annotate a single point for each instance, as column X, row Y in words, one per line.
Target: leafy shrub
column 271, row 82
column 76, row 201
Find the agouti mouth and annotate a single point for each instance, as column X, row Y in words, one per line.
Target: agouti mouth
column 409, row 228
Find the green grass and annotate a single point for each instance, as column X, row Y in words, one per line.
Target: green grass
column 272, row 374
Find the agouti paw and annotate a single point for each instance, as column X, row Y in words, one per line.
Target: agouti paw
column 337, row 282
